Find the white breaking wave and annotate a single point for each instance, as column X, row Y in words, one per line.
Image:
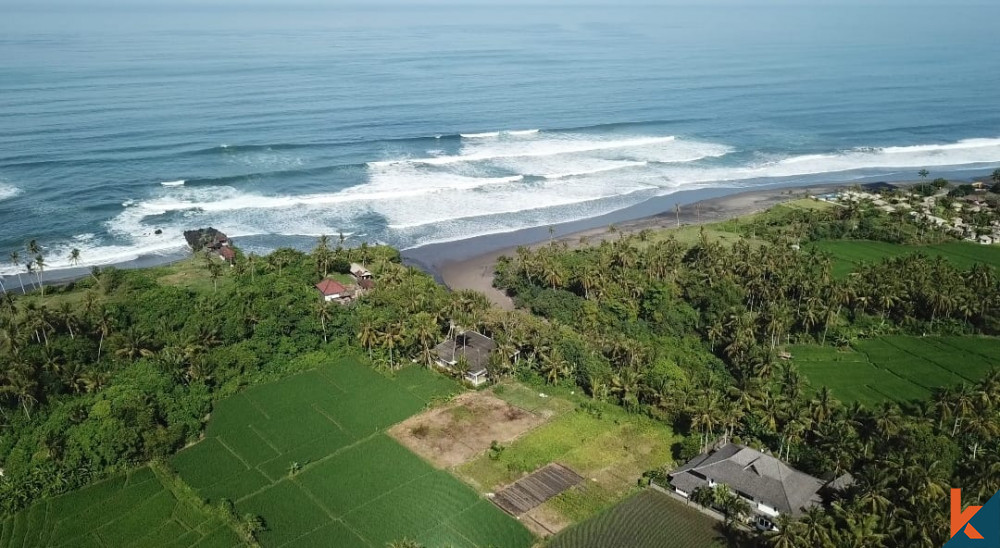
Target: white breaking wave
column 591, row 171
column 8, row 191
column 870, row 160
column 491, row 186
column 485, row 135
column 492, row 134
column 179, row 182
column 478, row 152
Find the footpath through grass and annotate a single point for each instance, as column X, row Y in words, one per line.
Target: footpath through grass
column 308, row 454
column 648, row 519
column 900, row 368
column 129, row 510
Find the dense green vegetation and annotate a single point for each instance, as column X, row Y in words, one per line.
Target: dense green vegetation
column 644, row 520
column 692, row 334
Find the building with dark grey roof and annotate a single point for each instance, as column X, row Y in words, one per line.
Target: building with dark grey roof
column 474, row 347
column 770, row 485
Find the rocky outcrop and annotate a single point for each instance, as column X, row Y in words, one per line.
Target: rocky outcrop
column 205, row 238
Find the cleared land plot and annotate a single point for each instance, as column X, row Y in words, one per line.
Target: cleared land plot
column 607, row 446
column 309, row 455
column 132, row 509
column 649, row 519
column 849, row 254
column 454, row 434
column 531, row 491
column 899, row 368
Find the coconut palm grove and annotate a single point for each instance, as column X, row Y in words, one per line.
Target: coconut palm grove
column 129, row 386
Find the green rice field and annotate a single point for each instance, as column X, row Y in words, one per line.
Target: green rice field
column 849, row 254
column 898, row 368
column 132, row 509
column 308, row 454
column 649, row 519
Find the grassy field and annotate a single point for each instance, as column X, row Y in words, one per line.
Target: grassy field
column 849, row 254
column 898, row 367
column 308, row 455
column 611, row 450
column 132, row 509
column 648, row 519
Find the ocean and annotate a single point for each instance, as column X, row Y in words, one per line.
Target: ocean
column 408, row 125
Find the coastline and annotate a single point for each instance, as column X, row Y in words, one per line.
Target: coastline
column 475, row 270
column 469, row 263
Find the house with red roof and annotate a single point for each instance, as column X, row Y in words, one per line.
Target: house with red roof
column 227, row 254
column 331, row 290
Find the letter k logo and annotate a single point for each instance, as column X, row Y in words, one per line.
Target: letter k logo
column 960, row 518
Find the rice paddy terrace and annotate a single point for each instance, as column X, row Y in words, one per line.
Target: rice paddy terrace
column 309, row 455
column 900, row 368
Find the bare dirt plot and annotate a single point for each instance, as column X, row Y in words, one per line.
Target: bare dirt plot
column 455, row 434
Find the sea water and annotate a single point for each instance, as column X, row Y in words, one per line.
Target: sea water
column 120, row 127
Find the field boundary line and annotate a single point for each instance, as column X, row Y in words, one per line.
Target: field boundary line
column 889, row 371
column 266, row 441
column 930, row 361
column 328, row 417
column 256, row 406
column 309, row 465
column 329, row 379
column 456, row 531
column 231, row 452
column 992, row 359
column 393, row 490
column 315, row 503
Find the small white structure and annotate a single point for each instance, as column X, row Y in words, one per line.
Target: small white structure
column 360, row 272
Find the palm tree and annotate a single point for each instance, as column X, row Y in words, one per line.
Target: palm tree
column 324, row 313
column 391, row 338
column 74, row 256
column 368, row 336
column 40, row 263
column 103, row 327
column 923, row 173
column 426, row 331
column 15, row 259
column 134, row 344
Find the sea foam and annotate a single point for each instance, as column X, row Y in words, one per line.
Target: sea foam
column 8, row 191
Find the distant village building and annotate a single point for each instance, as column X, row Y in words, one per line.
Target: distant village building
column 331, row 290
column 474, row 347
column 227, row 254
column 771, row 486
column 366, row 284
column 359, row 272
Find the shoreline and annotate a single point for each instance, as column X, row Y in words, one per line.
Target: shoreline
column 468, row 263
column 475, row 272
